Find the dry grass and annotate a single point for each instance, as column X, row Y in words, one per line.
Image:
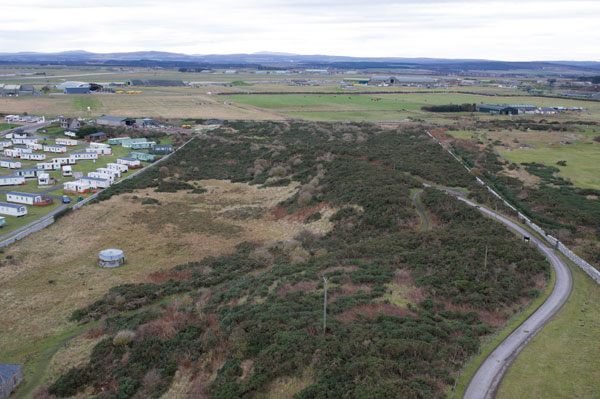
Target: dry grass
column 57, row 270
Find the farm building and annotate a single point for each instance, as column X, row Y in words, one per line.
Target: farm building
column 5, row 144
column 117, row 140
column 82, row 156
column 114, row 121
column 28, row 173
column 162, row 149
column 143, row 146
column 144, row 123
column 66, row 142
column 497, row 109
column 33, row 156
column 96, row 182
column 23, row 198
column 111, row 258
column 58, row 149
column 118, row 166
column 154, row 82
column 100, row 136
column 48, row 166
column 129, row 142
column 142, row 156
column 10, row 164
column 34, row 146
column 12, row 209
column 43, row 179
column 132, row 163
column 77, row 187
column 12, row 180
column 11, row 375
column 100, row 150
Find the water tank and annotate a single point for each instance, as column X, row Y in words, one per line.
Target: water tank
column 111, row 258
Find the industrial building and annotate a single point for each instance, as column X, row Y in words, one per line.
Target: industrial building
column 12, row 90
column 497, row 109
column 115, row 121
column 154, row 82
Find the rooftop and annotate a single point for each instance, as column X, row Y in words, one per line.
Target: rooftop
column 8, row 205
column 23, row 194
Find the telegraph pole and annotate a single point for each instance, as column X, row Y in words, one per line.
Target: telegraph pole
column 485, row 259
column 325, row 307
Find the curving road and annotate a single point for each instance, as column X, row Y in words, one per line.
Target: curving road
column 487, row 379
column 425, row 225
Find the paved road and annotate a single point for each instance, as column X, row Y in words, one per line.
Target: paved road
column 486, row 380
column 28, row 225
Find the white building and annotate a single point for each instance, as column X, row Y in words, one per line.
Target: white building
column 12, row 209
column 5, row 144
column 10, row 164
column 58, row 149
column 94, row 144
column 96, row 182
column 24, row 140
column 70, row 134
column 48, row 166
column 23, row 198
column 131, row 162
column 100, row 175
column 34, row 156
column 117, row 166
column 108, row 171
column 16, row 152
column 12, row 180
column 82, row 156
column 77, row 187
column 34, row 146
column 63, row 161
column 43, row 179
column 66, row 142
column 100, row 151
column 67, row 171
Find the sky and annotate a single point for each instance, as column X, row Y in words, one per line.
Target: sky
column 501, row 30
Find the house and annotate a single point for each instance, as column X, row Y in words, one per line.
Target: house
column 58, row 149
column 142, row 156
column 69, row 123
column 11, row 180
column 497, row 109
column 76, row 187
column 115, row 121
column 132, row 163
column 5, row 144
column 11, row 376
column 162, row 149
column 83, row 156
column 66, row 142
column 33, row 156
column 117, row 140
column 43, row 179
column 12, row 209
column 28, row 173
column 10, row 164
column 100, row 136
column 118, row 166
column 96, row 182
column 143, row 146
column 23, row 198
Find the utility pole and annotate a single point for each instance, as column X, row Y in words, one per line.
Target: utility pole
column 485, row 259
column 325, row 307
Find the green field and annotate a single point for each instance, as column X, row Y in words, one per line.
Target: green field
column 33, row 213
column 6, row 126
column 563, row 360
column 583, row 161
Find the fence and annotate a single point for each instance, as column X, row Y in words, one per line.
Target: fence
column 582, row 264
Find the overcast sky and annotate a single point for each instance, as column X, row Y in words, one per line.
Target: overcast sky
column 502, row 30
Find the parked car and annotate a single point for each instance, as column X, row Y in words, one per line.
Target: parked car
column 66, row 199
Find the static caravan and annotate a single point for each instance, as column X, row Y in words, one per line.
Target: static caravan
column 132, row 163
column 19, row 134
column 24, row 140
column 12, row 180
column 100, row 151
column 142, row 156
column 12, row 209
column 77, row 187
column 28, row 173
column 116, row 173
column 5, row 144
column 43, row 179
column 34, row 146
column 2, row 221
column 48, row 166
column 101, row 175
column 67, row 171
column 129, row 142
column 58, row 149
column 10, row 164
column 33, row 156
column 96, row 182
column 66, row 142
column 93, row 144
column 63, row 161
column 148, row 145
column 70, row 134
column 16, row 152
column 118, row 166
column 82, row 156
column 23, row 198
column 117, row 140
column 162, row 149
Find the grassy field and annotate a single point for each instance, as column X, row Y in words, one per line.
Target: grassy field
column 33, row 213
column 47, row 275
column 6, row 126
column 563, row 360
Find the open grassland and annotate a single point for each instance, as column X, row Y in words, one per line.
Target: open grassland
column 563, row 360
column 51, row 273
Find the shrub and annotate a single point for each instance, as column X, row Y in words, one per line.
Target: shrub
column 123, row 337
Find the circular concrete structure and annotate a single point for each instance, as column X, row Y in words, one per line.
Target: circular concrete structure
column 111, row 258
